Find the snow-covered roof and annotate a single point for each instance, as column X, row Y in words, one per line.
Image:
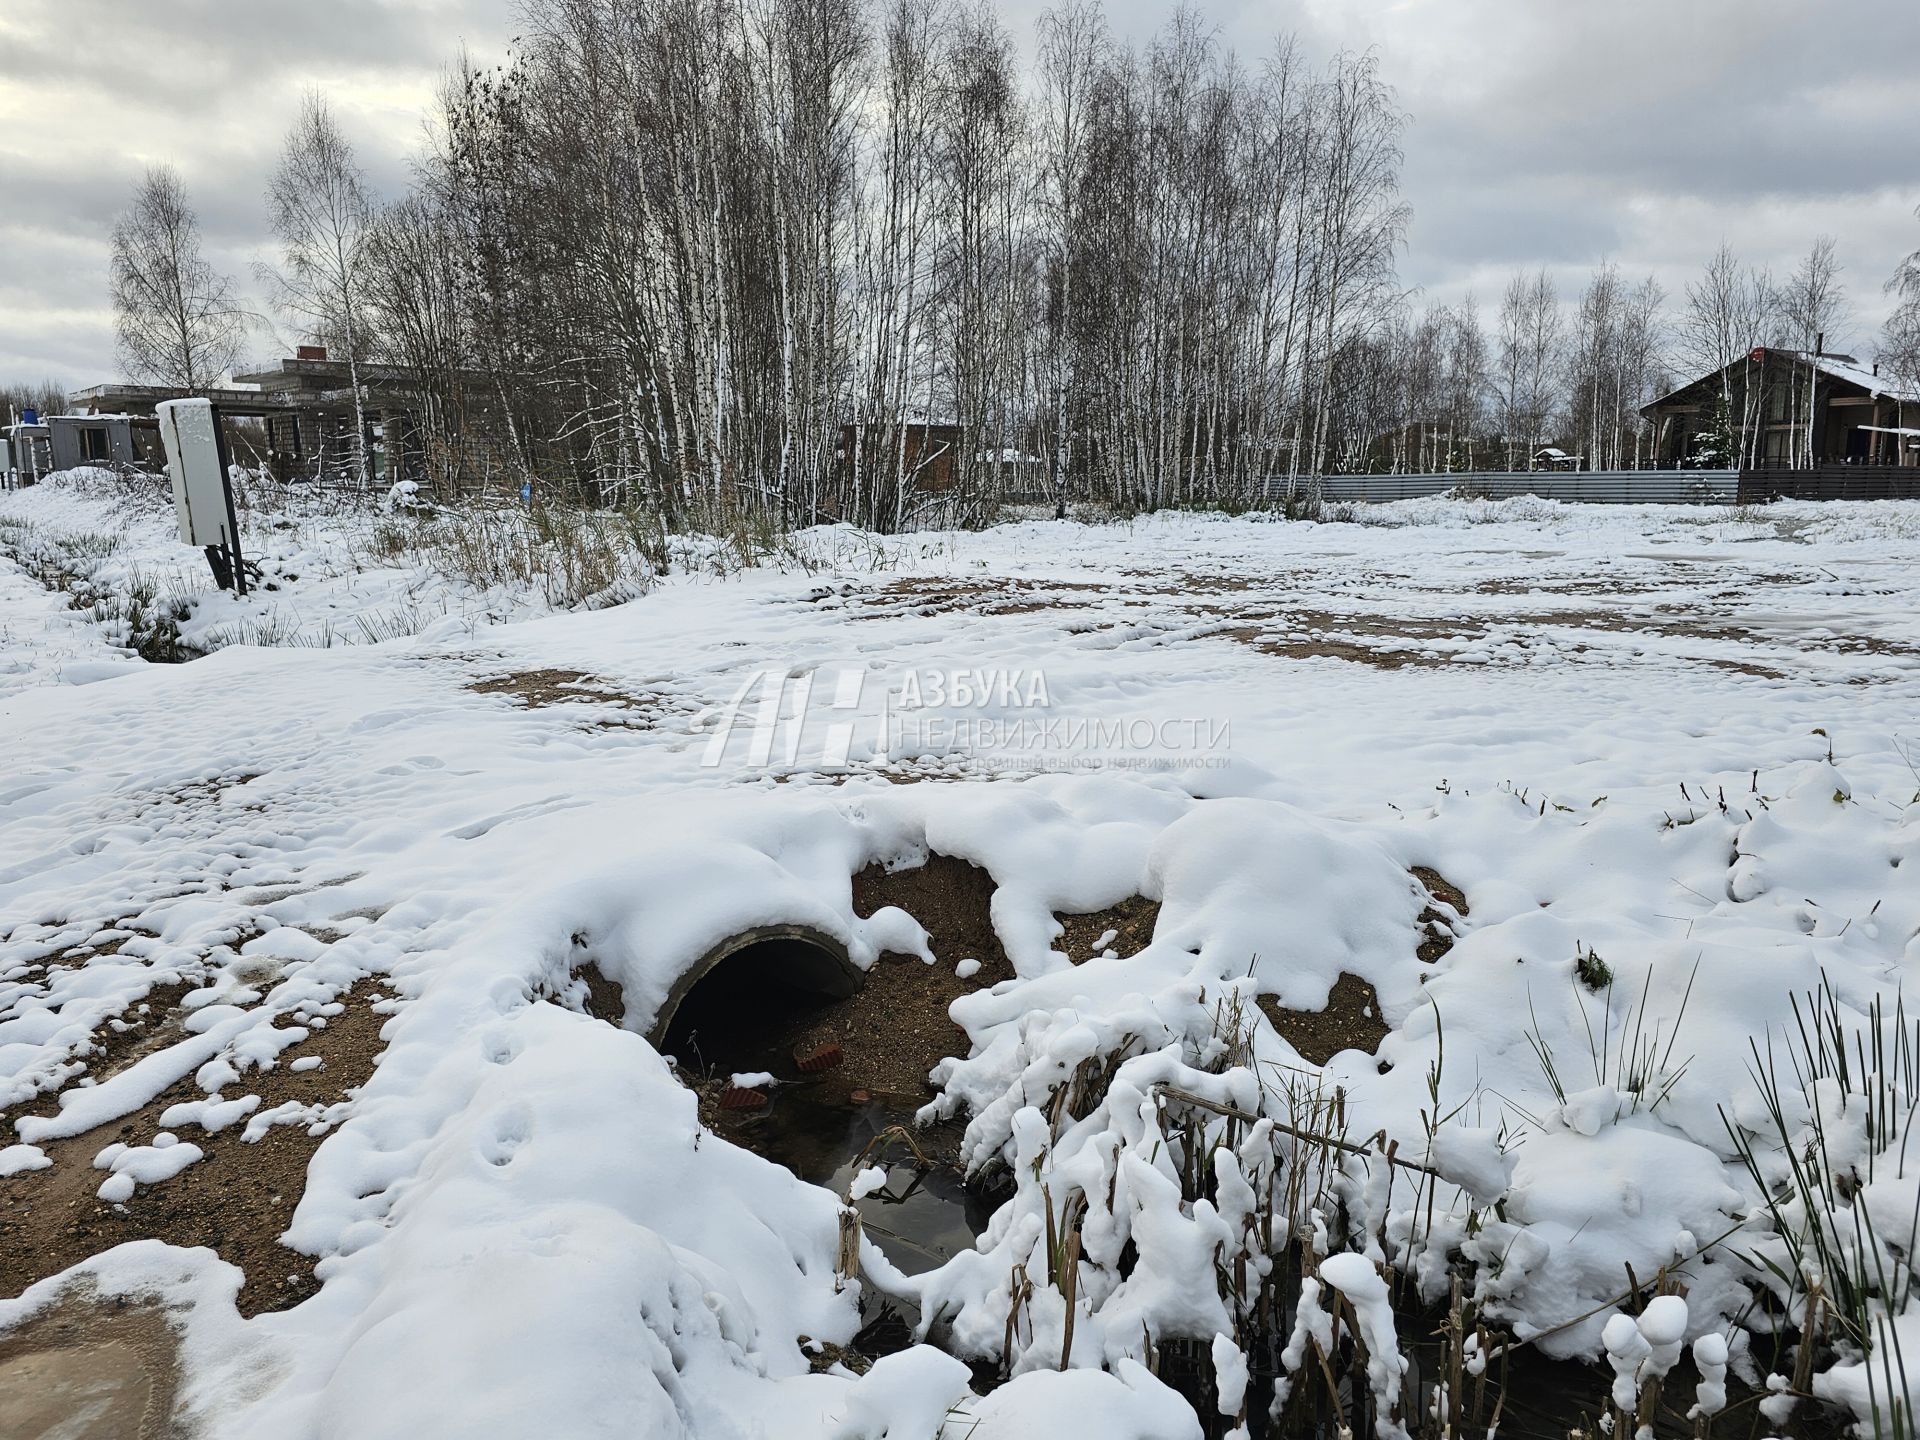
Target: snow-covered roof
column 1834, row 366
column 1845, row 367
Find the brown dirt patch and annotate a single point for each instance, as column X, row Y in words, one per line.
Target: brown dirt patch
column 925, row 596
column 606, row 997
column 1742, row 667
column 140, row 1029
column 107, row 942
column 149, row 1025
column 1190, row 583
column 952, row 900
column 1441, row 888
column 196, row 792
column 895, row 1028
column 1383, row 641
column 913, row 772
column 935, row 595
column 90, row 1369
column 1436, row 930
column 1133, row 919
column 236, row 1200
column 1350, row 1021
column 105, row 949
column 1380, row 659
column 536, row 689
column 1664, row 623
column 1354, row 654
column 1339, row 637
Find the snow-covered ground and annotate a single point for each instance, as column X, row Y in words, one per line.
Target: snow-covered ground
column 42, row 641
column 1684, row 741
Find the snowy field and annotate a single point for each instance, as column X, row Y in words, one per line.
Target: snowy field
column 1670, row 758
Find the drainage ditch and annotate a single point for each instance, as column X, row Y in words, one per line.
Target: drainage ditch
column 804, row 1061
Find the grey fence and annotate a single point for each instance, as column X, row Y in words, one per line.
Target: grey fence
column 1832, row 482
column 1590, row 487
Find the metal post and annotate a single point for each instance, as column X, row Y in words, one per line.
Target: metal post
column 233, row 519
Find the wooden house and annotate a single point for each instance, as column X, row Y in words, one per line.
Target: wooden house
column 1788, row 409
column 926, row 452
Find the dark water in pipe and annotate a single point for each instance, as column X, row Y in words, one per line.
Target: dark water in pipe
column 819, row 1125
column 923, row 1216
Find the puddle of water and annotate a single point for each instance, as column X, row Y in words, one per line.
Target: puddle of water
column 921, row 1219
column 75, row 1394
column 84, row 1371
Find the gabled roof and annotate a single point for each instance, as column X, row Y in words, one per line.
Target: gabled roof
column 1843, row 368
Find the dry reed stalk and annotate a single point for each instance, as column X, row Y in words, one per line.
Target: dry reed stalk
column 846, row 1260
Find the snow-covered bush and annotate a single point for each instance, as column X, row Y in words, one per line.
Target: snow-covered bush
column 1836, row 1244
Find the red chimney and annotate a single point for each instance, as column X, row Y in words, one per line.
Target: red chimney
column 310, row 352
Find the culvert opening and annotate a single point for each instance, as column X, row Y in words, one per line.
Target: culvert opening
column 787, row 1005
column 732, row 1011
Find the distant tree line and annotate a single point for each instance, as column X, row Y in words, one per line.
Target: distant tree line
column 1574, row 372
column 794, row 258
column 730, row 253
column 44, row 397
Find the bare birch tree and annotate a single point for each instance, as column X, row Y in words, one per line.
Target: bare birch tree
column 1813, row 311
column 175, row 318
column 323, row 217
column 1073, row 42
column 413, row 296
column 1530, row 328
column 1900, row 339
column 1730, row 310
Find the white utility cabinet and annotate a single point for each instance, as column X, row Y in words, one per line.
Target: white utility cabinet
column 187, row 429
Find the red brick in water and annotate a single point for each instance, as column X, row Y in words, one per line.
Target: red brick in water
column 821, row 1057
column 736, row 1097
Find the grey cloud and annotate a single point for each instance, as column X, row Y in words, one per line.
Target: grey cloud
column 92, row 91
column 1498, row 228
column 1646, row 131
column 1544, row 131
column 184, row 51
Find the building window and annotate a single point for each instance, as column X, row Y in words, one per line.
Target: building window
column 93, row 443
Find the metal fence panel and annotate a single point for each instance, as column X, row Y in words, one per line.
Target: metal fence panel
column 1832, row 482
column 1587, row 487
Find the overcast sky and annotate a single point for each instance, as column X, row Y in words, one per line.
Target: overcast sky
column 1545, row 132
